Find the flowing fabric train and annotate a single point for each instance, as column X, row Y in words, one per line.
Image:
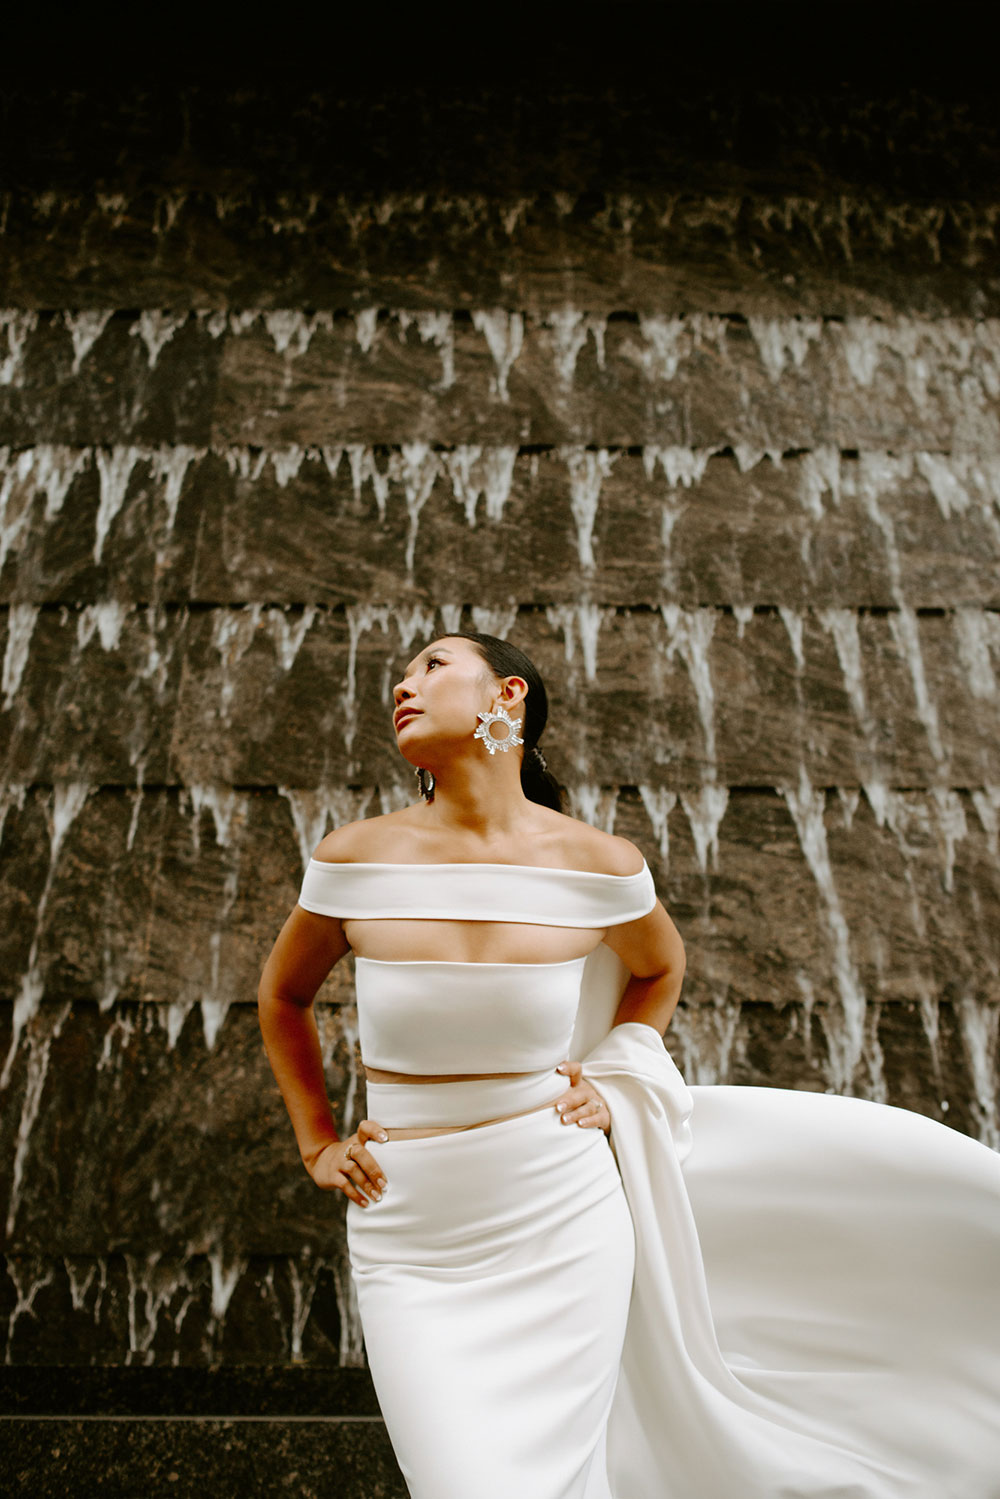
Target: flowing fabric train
column 816, row 1307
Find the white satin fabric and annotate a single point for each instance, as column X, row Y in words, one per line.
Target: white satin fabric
column 815, row 1308
column 494, row 1280
column 432, row 1018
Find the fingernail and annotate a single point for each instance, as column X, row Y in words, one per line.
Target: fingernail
column 560, row 1107
column 562, row 1067
column 383, row 1136
column 376, row 1196
column 385, row 1186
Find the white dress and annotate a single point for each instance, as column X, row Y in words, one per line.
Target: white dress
column 750, row 1293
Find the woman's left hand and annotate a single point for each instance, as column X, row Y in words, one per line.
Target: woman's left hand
column 581, row 1103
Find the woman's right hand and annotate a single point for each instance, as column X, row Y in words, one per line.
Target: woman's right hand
column 348, row 1166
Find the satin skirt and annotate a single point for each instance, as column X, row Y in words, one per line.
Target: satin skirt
column 494, row 1280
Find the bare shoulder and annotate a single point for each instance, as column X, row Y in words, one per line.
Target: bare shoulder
column 370, row 840
column 591, row 848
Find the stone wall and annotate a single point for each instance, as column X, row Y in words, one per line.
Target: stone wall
column 714, row 434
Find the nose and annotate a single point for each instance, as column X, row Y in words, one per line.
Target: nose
column 401, row 692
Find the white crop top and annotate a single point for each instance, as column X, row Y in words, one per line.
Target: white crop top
column 443, row 1017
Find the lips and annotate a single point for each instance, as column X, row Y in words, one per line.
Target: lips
column 403, row 715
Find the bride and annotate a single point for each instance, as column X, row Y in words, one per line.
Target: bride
column 579, row 1279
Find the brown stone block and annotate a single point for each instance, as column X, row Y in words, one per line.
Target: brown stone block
column 483, row 526
column 502, row 377
column 198, row 1309
column 261, row 696
column 174, row 899
column 109, row 377
column 151, row 1136
column 750, row 252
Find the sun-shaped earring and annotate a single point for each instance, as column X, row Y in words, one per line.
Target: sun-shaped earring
column 511, row 739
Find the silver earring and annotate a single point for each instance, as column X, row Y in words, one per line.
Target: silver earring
column 426, row 783
column 493, row 744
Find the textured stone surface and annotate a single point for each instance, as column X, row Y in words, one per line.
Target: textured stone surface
column 744, row 252
column 701, row 407
column 312, row 1458
column 498, row 376
column 349, row 524
column 231, row 696
column 235, row 1390
column 754, row 879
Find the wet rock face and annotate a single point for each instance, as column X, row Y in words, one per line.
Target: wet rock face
column 719, row 446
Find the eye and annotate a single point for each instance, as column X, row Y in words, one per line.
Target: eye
column 433, row 661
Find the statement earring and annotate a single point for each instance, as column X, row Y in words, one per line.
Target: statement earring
column 492, row 743
column 426, row 783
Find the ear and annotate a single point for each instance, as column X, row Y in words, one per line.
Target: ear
column 513, row 690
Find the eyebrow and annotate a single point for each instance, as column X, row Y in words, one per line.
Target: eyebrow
column 428, row 651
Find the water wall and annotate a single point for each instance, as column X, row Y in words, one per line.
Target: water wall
column 716, row 441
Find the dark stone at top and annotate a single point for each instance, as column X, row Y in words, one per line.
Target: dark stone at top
column 580, row 103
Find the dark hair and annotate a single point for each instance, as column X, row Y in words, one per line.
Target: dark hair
column 505, row 660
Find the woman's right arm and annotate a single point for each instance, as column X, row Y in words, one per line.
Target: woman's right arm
column 307, row 948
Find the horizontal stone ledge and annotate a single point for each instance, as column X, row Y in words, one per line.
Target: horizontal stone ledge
column 672, row 697
column 501, row 376
column 672, row 252
column 336, row 1459
column 177, row 1163
column 479, row 525
column 107, row 1391
column 237, row 1420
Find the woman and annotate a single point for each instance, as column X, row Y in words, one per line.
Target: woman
column 538, row 1314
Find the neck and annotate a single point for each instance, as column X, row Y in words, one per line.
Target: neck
column 477, row 795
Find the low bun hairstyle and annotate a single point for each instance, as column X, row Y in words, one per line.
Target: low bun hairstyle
column 505, row 660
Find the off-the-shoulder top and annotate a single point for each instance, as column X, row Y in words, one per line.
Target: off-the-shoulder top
column 444, row 1017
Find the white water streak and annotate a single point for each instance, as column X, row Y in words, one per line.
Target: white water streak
column 979, row 1021
column 566, row 331
column 504, row 334
column 21, row 621
column 114, row 465
column 18, row 327
column 689, row 635
column 47, row 469
column 846, row 1042
column 85, row 328
column 288, row 631
column 476, row 471
column 705, row 810
column 579, row 622
column 314, row 812
column 659, row 804
column 587, row 472
column 106, row 620
column 669, row 341
column 784, row 341
column 597, row 805
column 156, row 329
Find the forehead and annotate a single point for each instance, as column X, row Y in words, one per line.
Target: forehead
column 447, row 645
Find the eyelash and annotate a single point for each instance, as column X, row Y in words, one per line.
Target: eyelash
column 434, row 661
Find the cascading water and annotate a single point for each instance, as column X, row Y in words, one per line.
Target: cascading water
column 737, row 619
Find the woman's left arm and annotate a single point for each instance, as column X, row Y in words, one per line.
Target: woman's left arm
column 652, row 951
